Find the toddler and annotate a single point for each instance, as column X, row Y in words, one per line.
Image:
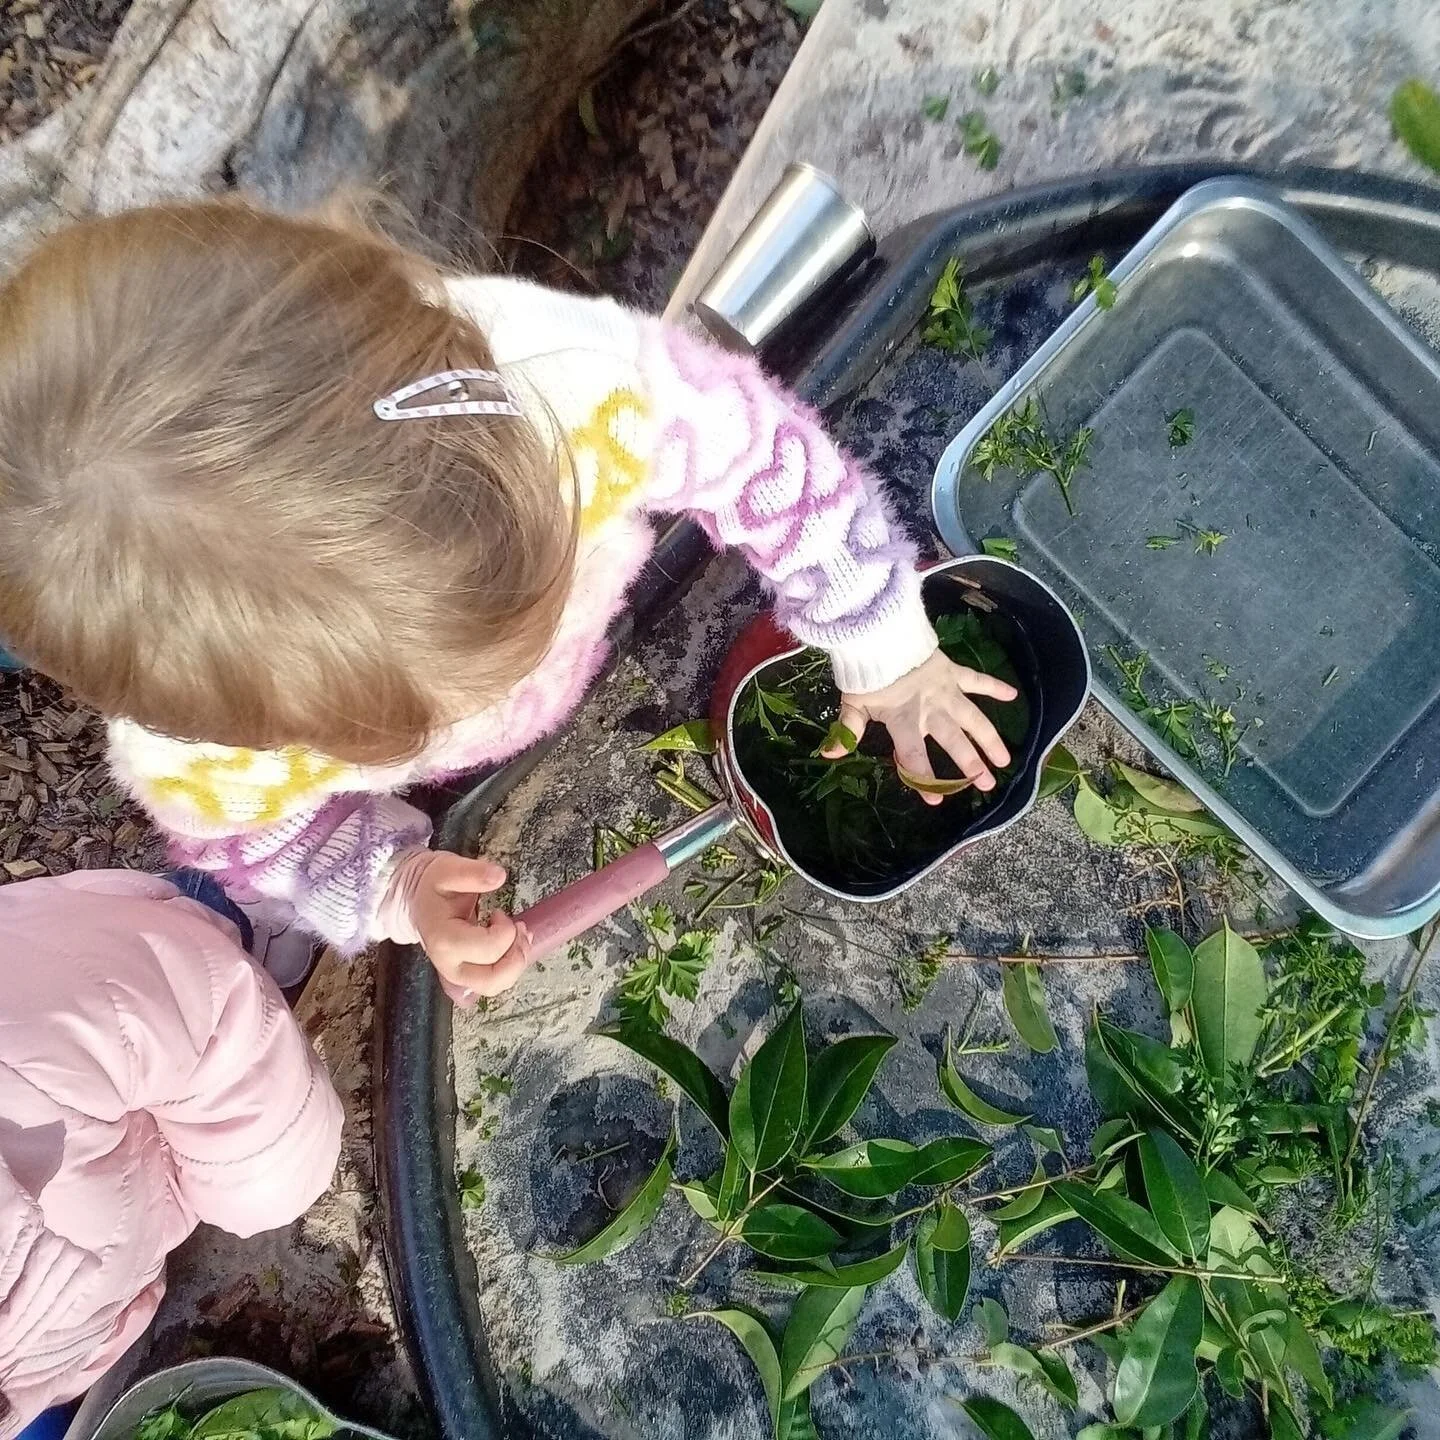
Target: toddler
column 151, row 1077
column 312, row 521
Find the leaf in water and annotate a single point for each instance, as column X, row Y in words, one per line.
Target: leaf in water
column 1061, row 771
column 629, row 1223
column 1025, row 1201
column 1415, row 118
column 1127, row 1228
column 819, row 1326
column 846, row 1277
column 1364, row 1419
column 1045, row 1368
column 942, row 1260
column 695, row 737
column 1051, row 1210
column 929, row 784
column 960, row 1095
column 1000, row 548
column 768, row 1106
column 753, row 1335
column 1156, row 1379
column 1228, row 993
column 271, row 1409
column 994, row 1323
column 841, row 735
column 874, row 1168
column 1025, row 1003
column 1176, row 1194
column 680, row 1063
column 1164, row 795
column 787, row 1232
column 1174, row 966
column 995, row 1420
column 585, row 107
column 1099, row 820
column 840, row 1077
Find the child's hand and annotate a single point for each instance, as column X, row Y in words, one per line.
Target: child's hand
column 473, row 957
column 931, row 700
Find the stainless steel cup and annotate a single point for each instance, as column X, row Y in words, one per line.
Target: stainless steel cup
column 804, row 238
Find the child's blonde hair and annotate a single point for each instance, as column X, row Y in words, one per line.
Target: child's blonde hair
column 203, row 525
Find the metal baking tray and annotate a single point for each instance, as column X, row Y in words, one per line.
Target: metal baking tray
column 1316, row 453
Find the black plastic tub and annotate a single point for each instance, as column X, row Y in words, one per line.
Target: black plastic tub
column 827, row 360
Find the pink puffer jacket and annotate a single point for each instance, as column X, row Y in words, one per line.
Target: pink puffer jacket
column 150, row 1078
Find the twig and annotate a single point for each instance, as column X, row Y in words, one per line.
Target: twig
column 1382, row 1056
column 721, row 891
column 1090, row 1330
column 1027, row 1257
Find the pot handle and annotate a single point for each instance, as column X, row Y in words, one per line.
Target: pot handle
column 569, row 913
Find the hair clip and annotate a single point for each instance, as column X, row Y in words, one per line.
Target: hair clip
column 392, row 406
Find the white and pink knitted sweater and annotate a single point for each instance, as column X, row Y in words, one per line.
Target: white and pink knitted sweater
column 657, row 423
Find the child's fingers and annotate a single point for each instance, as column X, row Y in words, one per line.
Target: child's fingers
column 977, row 725
column 911, row 756
column 854, row 720
column 950, row 735
column 464, row 875
column 484, row 958
column 977, row 682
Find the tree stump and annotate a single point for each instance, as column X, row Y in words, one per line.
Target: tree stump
column 444, row 103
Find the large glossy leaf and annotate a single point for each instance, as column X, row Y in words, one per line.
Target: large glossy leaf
column 1051, row 1210
column 794, row 1422
column 1097, row 818
column 1127, row 1228
column 753, row 1335
column 942, row 1260
column 840, row 1076
column 786, row 1232
column 1025, row 1201
column 768, row 1106
column 1228, row 993
column 1061, row 771
column 1131, row 1074
column 1220, row 1189
column 1046, row 1368
column 631, row 1221
column 1415, row 118
column 1236, row 1247
column 992, row 1320
column 1158, row 793
column 996, row 1421
column 1197, row 1418
column 850, row 1214
column 702, row 1198
column 1176, row 1194
column 846, row 1277
column 681, row 1064
column 731, row 1195
column 1364, row 1419
column 960, row 1095
column 272, row 1411
column 819, row 1326
column 1025, row 1004
column 1111, row 1136
column 694, row 736
column 1156, row 1379
column 1174, row 965
column 1302, row 1356
column 1283, row 1424
column 874, row 1168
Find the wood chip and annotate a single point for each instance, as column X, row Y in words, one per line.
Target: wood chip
column 24, row 869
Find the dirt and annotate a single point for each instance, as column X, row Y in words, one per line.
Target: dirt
column 49, row 51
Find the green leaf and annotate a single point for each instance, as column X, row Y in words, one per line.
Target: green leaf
column 1131, row 1074
column 1025, row 1003
column 929, row 784
column 934, row 107
column 1235, row 1246
column 942, row 1260
column 753, row 1335
column 702, row 1200
column 768, row 1105
column 1220, row 1189
column 1230, row 1373
column 1174, row 966
column 1051, row 1210
column 1364, row 1419
column 1099, row 820
column 1197, row 1418
column 585, row 108
column 819, row 1326
column 1047, row 1137
column 732, row 1184
column 1025, row 1201
column 795, row 1422
column 846, row 1277
column 1415, row 118
column 1127, row 1228
column 680, row 1063
column 472, row 1189
column 840, row 1078
column 1156, row 1380
column 1164, row 795
column 1302, row 1356
column 1000, row 548
column 272, row 1409
column 695, row 737
column 874, row 1168
column 1061, row 771
column 1113, row 1135
column 960, row 1095
column 841, row 735
column 1283, row 1424
column 787, row 1232
column 642, row 1209
column 1176, row 1194
column 995, row 1420
column 994, row 1323
column 1045, row 1368
column 804, row 10
column 1228, row 993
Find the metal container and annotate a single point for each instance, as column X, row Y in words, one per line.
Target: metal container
column 1316, row 454
column 805, row 238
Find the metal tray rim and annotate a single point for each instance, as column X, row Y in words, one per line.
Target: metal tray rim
column 1221, row 191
